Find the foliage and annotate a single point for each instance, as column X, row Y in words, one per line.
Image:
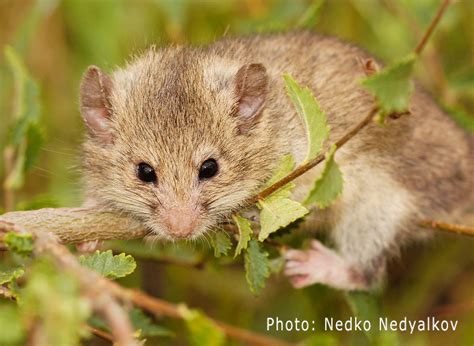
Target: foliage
column 257, row 267
column 329, row 184
column 310, row 112
column 20, row 243
column 392, row 86
column 109, row 265
column 202, row 331
column 26, row 134
column 41, row 77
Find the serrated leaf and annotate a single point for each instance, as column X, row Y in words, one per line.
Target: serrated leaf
column 392, row 86
column 10, row 275
column 257, row 267
column 145, row 325
column 317, row 129
column 108, row 265
column 221, row 243
column 13, row 331
column 21, row 243
column 329, row 184
column 278, row 211
column 245, row 233
column 202, row 330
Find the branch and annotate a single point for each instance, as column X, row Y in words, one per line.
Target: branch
column 75, row 225
column 92, row 285
column 434, row 22
column 163, row 308
column 100, row 333
column 318, row 159
column 447, row 227
column 87, row 224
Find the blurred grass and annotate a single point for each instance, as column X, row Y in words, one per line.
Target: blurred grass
column 59, row 39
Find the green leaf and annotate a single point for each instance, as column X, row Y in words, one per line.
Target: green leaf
column 366, row 306
column 54, row 298
column 285, row 166
column 202, row 330
column 10, row 275
column 461, row 117
column 13, row 331
column 245, row 233
column 145, row 325
column 278, row 211
column 221, row 243
column 109, row 265
column 329, row 184
column 21, row 243
column 392, row 86
column 257, row 267
column 317, row 129
column 26, row 134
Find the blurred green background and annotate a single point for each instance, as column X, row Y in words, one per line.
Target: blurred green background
column 59, row 39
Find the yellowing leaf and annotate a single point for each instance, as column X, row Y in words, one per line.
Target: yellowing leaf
column 109, row 265
column 257, row 268
column 245, row 232
column 392, row 86
column 221, row 243
column 329, row 184
column 317, row 129
column 202, row 330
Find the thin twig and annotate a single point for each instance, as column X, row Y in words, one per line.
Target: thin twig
column 100, row 333
column 439, row 14
column 92, row 286
column 447, row 227
column 101, row 291
column 163, row 308
column 318, row 159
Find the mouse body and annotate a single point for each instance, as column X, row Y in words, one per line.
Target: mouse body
column 182, row 137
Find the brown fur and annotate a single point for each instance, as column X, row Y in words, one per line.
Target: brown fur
column 172, row 108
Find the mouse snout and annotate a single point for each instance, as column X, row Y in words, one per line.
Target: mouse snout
column 180, row 221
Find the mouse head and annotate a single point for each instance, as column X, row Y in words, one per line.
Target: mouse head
column 177, row 139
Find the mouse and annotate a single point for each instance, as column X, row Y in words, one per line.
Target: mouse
column 182, row 137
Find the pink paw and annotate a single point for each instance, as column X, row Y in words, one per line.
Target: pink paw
column 89, row 246
column 319, row 264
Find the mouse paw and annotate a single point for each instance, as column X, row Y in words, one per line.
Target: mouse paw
column 320, row 264
column 89, row 246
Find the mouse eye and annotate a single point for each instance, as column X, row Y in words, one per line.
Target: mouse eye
column 209, row 168
column 146, row 173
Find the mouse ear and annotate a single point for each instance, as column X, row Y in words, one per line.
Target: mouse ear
column 251, row 86
column 94, row 103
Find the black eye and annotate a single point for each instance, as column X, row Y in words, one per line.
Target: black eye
column 146, row 173
column 208, row 169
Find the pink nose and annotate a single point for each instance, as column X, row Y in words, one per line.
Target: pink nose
column 180, row 221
